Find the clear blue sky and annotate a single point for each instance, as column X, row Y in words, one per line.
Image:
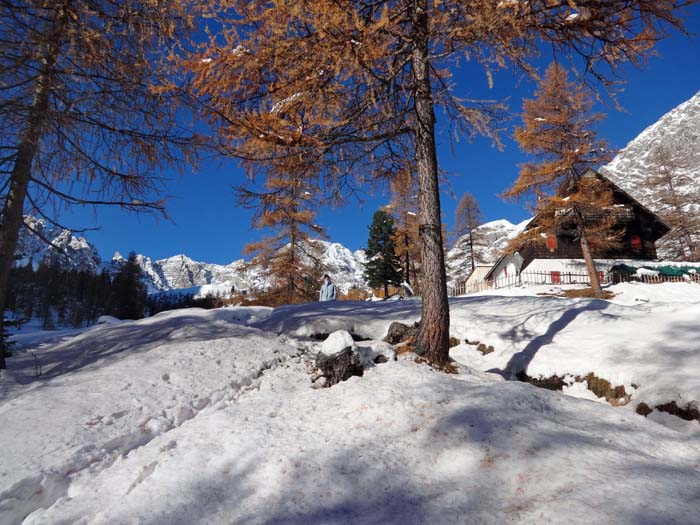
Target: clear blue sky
column 207, row 225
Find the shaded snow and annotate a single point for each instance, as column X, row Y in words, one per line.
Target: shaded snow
column 198, row 416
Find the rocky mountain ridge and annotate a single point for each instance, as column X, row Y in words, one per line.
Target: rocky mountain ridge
column 669, row 146
column 172, row 273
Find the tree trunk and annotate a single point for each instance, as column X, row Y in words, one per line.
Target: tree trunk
column 27, row 149
column 471, row 248
column 433, row 338
column 407, row 257
column 386, row 290
column 590, row 264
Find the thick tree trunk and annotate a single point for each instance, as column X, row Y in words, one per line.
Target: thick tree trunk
column 590, row 265
column 12, row 213
column 433, row 338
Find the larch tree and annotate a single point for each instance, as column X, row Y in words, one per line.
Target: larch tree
column 355, row 84
column 675, row 194
column 383, row 267
column 558, row 131
column 84, row 115
column 467, row 219
column 404, row 208
column 290, row 255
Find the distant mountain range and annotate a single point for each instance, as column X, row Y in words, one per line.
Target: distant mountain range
column 678, row 130
column 75, row 251
column 180, row 272
column 173, row 273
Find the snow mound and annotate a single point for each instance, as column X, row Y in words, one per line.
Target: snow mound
column 337, row 342
column 107, row 319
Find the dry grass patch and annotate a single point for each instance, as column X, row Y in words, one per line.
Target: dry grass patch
column 585, row 292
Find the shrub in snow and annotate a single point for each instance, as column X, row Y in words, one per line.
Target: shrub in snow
column 484, row 349
column 374, row 352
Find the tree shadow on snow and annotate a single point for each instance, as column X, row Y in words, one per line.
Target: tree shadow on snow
column 520, row 361
column 529, row 432
column 103, row 344
column 360, row 494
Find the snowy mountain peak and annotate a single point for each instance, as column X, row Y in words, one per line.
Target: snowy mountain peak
column 490, row 240
column 669, row 147
column 66, row 249
column 636, row 161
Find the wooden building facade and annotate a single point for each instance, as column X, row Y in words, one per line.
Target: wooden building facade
column 638, row 226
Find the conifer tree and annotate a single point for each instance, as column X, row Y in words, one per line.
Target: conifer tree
column 383, row 267
column 467, row 219
column 558, row 131
column 291, row 255
column 128, row 294
column 676, row 196
column 83, row 112
column 354, row 86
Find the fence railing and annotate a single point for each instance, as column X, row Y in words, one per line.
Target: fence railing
column 532, row 278
column 656, row 279
column 556, row 278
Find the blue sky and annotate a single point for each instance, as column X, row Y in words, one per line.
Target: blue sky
column 207, row 225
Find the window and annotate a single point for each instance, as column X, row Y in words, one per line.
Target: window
column 551, row 243
column 636, row 242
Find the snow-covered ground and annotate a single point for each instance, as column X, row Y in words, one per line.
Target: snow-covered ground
column 198, row 416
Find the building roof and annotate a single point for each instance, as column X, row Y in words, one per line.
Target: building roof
column 663, row 227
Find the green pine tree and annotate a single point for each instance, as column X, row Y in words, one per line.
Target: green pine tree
column 383, row 265
column 128, row 294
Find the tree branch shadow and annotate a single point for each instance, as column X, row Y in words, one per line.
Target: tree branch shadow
column 520, row 361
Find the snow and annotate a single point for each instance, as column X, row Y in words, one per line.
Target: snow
column 646, row 271
column 107, row 319
column 197, row 416
column 644, row 336
column 336, row 342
